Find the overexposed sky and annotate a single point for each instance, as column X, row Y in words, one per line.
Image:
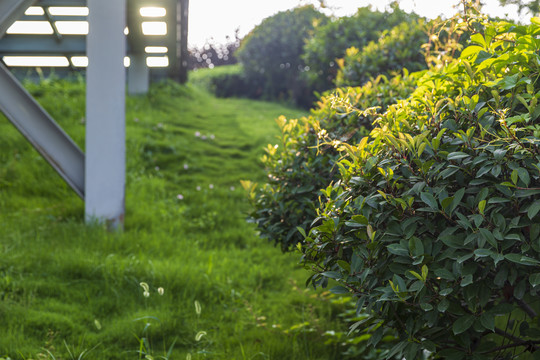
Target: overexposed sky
column 215, row 19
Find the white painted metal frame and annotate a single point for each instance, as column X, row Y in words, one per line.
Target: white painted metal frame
column 105, row 112
column 10, row 10
column 41, row 131
column 32, row 120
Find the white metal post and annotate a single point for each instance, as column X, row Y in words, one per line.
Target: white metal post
column 105, row 112
column 138, row 75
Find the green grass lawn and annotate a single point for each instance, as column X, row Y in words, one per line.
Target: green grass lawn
column 70, row 291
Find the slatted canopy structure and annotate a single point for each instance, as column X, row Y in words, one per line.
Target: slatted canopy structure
column 98, row 35
column 52, row 33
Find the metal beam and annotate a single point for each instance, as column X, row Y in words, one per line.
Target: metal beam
column 41, row 131
column 105, row 112
column 138, row 75
column 42, row 44
column 76, row 3
column 48, row 45
column 11, row 10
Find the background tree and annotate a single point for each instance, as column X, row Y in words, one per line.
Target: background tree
column 271, row 54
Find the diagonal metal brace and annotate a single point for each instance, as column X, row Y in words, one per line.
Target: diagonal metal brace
column 41, row 131
column 11, row 10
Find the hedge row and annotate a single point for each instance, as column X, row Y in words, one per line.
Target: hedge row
column 431, row 221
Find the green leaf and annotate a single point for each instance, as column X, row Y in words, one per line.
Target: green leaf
column 332, row 274
column 457, row 199
column 514, row 177
column 488, row 321
column 488, row 236
column 344, row 265
column 462, row 324
column 457, row 155
column 429, row 200
column 339, row 290
column 361, row 219
column 481, row 206
column 510, row 82
column 424, row 272
column 451, row 354
column 482, row 252
column 533, row 209
column 417, row 275
column 534, row 279
column 523, row 260
column 444, row 274
column 396, row 249
column 479, row 39
column 445, row 292
column 524, row 176
column 471, row 50
column 467, row 280
column 443, row 305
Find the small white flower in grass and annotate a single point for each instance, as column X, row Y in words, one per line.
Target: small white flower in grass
column 200, row 335
column 180, row 197
column 232, row 188
column 211, row 186
column 203, row 137
column 198, row 188
column 186, row 166
column 212, row 136
column 146, row 289
column 161, row 291
column 160, row 125
column 197, row 133
column 157, row 168
column 136, row 119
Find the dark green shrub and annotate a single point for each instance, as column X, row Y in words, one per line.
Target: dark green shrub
column 397, row 48
column 305, row 160
column 223, row 81
column 271, row 55
column 434, row 224
column 331, row 41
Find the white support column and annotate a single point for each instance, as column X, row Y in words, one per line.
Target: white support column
column 105, row 112
column 138, row 75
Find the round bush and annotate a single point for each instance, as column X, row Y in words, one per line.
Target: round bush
column 305, row 160
column 330, row 42
column 396, row 48
column 271, row 54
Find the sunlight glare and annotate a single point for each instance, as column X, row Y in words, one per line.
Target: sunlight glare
column 162, row 61
column 79, row 61
column 34, row 11
column 153, row 11
column 154, row 28
column 72, row 27
column 156, row 49
column 68, row 11
column 36, row 61
column 31, row 27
